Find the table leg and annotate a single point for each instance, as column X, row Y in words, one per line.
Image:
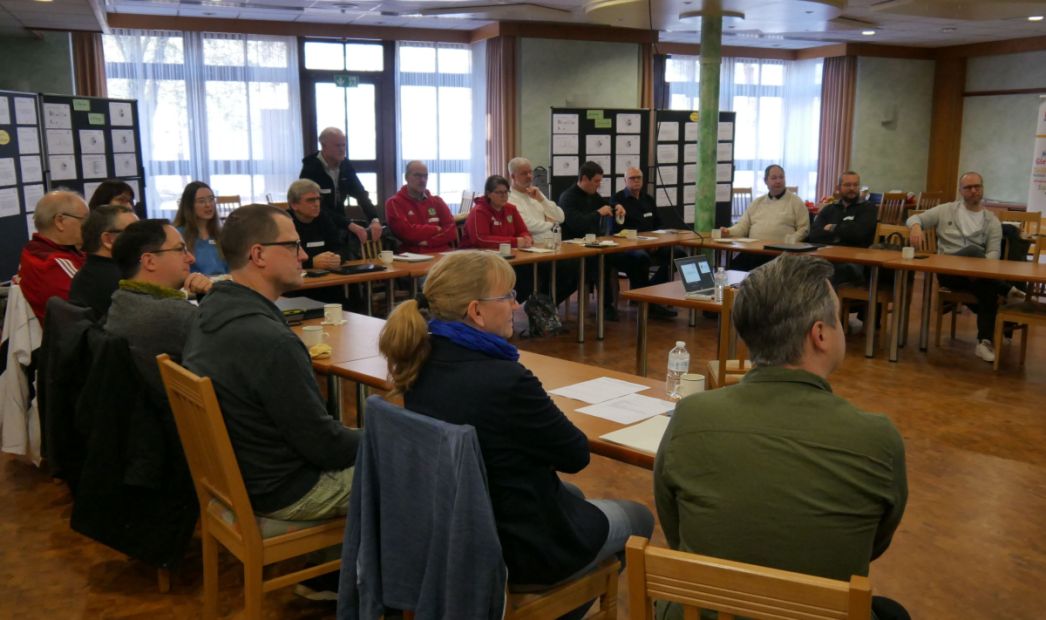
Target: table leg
column 924, row 319
column 900, row 284
column 582, row 295
column 599, row 297
column 903, row 340
column 414, row 286
column 641, row 319
column 870, row 317
column 370, row 298
column 552, row 285
column 534, row 289
column 692, row 314
column 334, row 397
column 361, row 403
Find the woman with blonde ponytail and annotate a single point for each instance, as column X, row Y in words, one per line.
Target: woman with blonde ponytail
column 449, row 356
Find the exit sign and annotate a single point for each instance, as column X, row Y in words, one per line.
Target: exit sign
column 346, row 81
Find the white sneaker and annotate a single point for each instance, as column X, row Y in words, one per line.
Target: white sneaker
column 1015, row 295
column 985, row 351
column 856, row 325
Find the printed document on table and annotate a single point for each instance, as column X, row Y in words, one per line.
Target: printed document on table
column 598, row 390
column 629, row 409
column 645, row 436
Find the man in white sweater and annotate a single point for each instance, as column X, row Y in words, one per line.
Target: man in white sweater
column 779, row 215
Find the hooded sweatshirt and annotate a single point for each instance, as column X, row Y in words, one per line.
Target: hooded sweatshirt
column 262, row 374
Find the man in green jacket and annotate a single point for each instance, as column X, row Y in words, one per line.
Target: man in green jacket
column 777, row 470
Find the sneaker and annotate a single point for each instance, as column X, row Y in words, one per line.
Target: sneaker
column 856, row 325
column 321, row 588
column 1015, row 295
column 985, row 350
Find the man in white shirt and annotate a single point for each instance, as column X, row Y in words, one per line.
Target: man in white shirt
column 779, row 215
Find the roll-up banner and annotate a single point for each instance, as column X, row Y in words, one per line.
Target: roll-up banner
column 1037, row 189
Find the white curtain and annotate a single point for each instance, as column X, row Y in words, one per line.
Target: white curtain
column 802, row 121
column 220, row 108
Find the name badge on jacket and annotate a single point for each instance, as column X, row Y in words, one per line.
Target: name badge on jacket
column 315, row 244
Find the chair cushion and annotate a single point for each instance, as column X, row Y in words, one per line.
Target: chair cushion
column 268, row 527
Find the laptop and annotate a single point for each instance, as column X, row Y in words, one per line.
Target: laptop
column 296, row 309
column 696, row 275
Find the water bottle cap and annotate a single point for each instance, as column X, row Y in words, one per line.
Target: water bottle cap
column 680, row 343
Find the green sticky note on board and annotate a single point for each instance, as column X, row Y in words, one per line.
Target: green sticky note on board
column 96, row 118
column 594, row 115
column 81, row 105
column 603, row 123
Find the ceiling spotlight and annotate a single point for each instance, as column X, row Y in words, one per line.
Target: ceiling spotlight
column 1035, row 18
column 868, row 33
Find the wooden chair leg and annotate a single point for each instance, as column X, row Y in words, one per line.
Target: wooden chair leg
column 252, row 589
column 1025, row 334
column 210, row 575
column 938, row 311
column 163, row 580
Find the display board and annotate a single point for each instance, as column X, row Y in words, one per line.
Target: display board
column 674, row 173
column 21, row 174
column 616, row 139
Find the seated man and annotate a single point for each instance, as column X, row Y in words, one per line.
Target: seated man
column 52, row 257
column 319, row 236
column 417, row 218
column 641, row 215
column 966, row 228
column 589, row 213
column 777, row 470
column 847, row 221
column 779, row 215
column 94, row 284
column 148, row 310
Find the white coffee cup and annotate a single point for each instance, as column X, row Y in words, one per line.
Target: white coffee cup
column 332, row 313
column 691, row 383
column 907, row 252
column 313, row 335
column 716, row 233
column 590, row 238
column 505, row 249
column 386, row 257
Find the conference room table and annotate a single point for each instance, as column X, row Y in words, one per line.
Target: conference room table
column 367, row 278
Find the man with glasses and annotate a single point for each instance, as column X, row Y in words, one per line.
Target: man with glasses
column 52, row 257
column 295, row 459
column 421, row 221
column 641, row 215
column 148, row 309
column 93, row 285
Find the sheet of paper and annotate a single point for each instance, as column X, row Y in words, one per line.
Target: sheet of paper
column 690, row 173
column 598, row 144
column 629, row 123
column 620, row 183
column 690, row 132
column 629, row 409
column 563, row 144
column 623, row 162
column 60, row 142
column 25, row 111
column 94, row 167
column 668, row 131
column 123, row 140
column 412, row 257
column 63, row 167
column 28, row 140
column 32, row 195
column 667, row 153
column 723, row 192
column 564, row 123
column 134, row 185
column 726, row 132
column 628, row 145
column 606, row 189
column 9, row 203
column 688, row 214
column 667, row 175
column 645, row 436
column 5, row 111
column 91, row 187
column 29, row 225
column 32, row 169
column 724, row 173
column 92, row 141
column 120, row 113
column 598, row 390
column 537, row 250
column 58, row 116
column 666, row 196
column 689, row 194
column 564, row 166
column 724, row 151
column 7, row 171
column 690, row 153
column 604, row 163
column 125, row 165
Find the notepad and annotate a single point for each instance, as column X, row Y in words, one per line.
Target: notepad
column 644, row 437
column 411, row 257
column 598, row 390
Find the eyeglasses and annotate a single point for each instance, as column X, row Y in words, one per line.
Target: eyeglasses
column 635, row 178
column 75, row 217
column 205, row 200
column 500, row 192
column 509, row 296
column 293, row 246
column 181, row 247
column 967, row 188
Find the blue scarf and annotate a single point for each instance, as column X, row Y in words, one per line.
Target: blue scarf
column 469, row 337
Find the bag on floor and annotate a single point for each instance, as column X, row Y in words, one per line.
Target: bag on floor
column 542, row 316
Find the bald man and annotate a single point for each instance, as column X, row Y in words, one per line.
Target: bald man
column 641, row 214
column 52, row 257
column 337, row 179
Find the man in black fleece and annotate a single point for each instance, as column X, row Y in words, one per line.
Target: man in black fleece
column 296, row 460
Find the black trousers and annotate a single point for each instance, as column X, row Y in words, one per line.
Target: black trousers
column 987, row 293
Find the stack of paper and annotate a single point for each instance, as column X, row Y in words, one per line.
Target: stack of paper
column 615, row 400
column 538, row 250
column 645, row 436
column 411, row 257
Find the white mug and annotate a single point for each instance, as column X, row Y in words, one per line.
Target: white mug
column 505, row 249
column 313, row 335
column 590, row 238
column 716, row 233
column 691, row 383
column 907, row 252
column 386, row 257
column 332, row 313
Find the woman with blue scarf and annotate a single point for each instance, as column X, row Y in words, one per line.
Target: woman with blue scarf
column 449, row 355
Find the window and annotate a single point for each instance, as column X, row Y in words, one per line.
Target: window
column 778, row 106
column 219, row 108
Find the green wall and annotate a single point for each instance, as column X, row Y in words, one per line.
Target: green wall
column 41, row 65
column 998, row 132
column 572, row 74
column 891, row 133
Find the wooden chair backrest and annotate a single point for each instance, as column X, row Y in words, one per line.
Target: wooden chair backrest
column 793, row 188
column 226, row 205
column 1030, row 222
column 928, row 200
column 372, row 249
column 205, row 441
column 726, row 338
column 892, row 208
column 468, row 200
column 741, row 198
column 736, row 589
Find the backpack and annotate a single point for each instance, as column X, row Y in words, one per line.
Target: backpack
column 542, row 316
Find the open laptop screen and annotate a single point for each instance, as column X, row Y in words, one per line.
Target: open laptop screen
column 696, row 273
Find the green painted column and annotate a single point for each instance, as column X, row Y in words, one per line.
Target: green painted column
column 708, row 105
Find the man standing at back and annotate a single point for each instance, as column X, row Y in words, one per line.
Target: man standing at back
column 337, row 179
column 52, row 257
column 777, row 470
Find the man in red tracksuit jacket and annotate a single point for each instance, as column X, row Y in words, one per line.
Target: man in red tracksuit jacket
column 421, row 221
column 493, row 220
column 52, row 257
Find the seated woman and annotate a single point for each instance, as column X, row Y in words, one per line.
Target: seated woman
column 197, row 221
column 449, row 357
column 115, row 192
column 494, row 221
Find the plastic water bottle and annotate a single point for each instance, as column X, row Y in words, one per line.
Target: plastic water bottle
column 678, row 365
column 557, row 237
column 720, row 284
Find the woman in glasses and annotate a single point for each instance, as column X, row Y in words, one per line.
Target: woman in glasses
column 449, row 355
column 197, row 221
column 114, row 192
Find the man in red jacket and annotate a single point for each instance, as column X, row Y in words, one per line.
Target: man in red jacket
column 420, row 220
column 52, row 257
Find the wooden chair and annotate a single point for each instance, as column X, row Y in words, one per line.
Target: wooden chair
column 280, row 205
column 226, row 205
column 372, row 249
column 741, row 198
column 226, row 517
column 1031, row 311
column 892, row 208
column 467, row 201
column 734, row 589
column 726, row 371
column 1029, row 222
column 928, row 200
